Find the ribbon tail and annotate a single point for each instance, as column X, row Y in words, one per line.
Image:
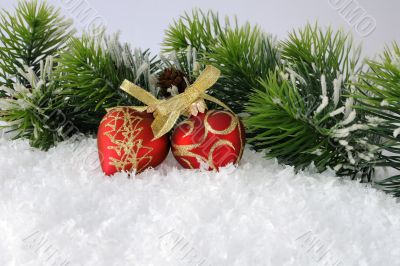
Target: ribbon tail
column 215, row 100
column 163, row 124
column 207, row 78
column 139, row 93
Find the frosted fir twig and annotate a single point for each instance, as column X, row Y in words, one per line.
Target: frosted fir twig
column 196, row 64
column 375, row 119
column 325, row 99
column 174, row 58
column 350, row 118
column 20, row 89
column 189, row 58
column 28, row 74
column 344, row 132
column 7, row 90
column 284, row 76
column 7, row 104
column 337, row 86
column 351, row 158
column 48, row 67
column 324, row 86
column 295, row 76
column 348, row 107
column 22, row 96
column 384, row 103
column 142, row 70
column 324, row 103
column 337, row 111
column 338, row 167
column 366, row 156
column 317, row 152
column 396, row 132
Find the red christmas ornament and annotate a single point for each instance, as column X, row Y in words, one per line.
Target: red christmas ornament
column 215, row 138
column 125, row 142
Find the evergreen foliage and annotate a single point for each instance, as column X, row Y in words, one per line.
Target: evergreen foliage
column 380, row 97
column 30, row 38
column 33, row 111
column 242, row 53
column 27, row 36
column 303, row 113
column 93, row 68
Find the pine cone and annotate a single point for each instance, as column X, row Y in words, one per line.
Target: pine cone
column 171, row 77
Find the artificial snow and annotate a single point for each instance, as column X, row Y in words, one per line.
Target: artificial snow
column 57, row 208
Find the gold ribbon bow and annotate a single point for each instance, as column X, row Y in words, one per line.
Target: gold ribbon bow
column 167, row 112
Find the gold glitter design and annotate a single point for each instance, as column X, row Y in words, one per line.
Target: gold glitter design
column 232, row 126
column 221, row 142
column 130, row 145
column 187, row 150
column 191, row 128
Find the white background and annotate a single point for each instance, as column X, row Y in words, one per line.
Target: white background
column 142, row 23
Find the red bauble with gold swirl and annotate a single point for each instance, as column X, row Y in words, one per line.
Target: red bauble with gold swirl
column 214, row 138
column 125, row 142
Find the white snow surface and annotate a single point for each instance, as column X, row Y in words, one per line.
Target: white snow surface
column 57, row 208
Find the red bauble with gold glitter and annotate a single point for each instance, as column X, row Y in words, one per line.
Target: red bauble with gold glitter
column 214, row 138
column 125, row 142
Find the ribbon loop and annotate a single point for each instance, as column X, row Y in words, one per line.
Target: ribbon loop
column 139, row 93
column 167, row 112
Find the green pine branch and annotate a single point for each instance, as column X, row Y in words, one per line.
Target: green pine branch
column 312, row 51
column 303, row 114
column 199, row 30
column 92, row 70
column 27, row 36
column 380, row 97
column 33, row 111
column 242, row 53
column 276, row 125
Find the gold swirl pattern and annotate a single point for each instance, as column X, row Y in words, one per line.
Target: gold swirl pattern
column 219, row 143
column 206, row 140
column 232, row 126
column 128, row 147
column 191, row 127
